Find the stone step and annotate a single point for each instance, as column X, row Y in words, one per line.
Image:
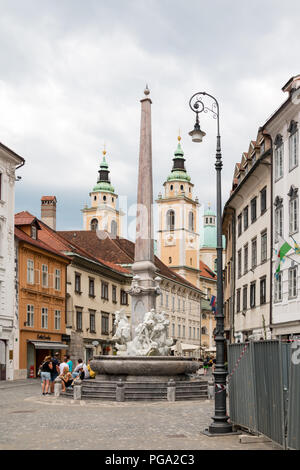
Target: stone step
column 101, row 396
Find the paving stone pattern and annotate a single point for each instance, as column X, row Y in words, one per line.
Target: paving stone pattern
column 29, row 420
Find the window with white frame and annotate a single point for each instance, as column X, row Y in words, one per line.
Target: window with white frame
column 30, row 271
column 30, row 315
column 278, row 157
column 264, row 253
column 278, row 287
column 278, row 223
column 293, row 215
column 57, row 319
column 44, row 275
column 183, row 331
column 293, row 291
column 246, row 258
column 293, row 145
column 239, row 263
column 44, row 317
column 254, row 253
column 57, row 279
column 179, row 331
column 252, row 294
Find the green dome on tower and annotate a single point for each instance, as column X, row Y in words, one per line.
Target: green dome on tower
column 103, row 182
column 178, row 171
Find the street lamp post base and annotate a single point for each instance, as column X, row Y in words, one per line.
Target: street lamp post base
column 216, row 434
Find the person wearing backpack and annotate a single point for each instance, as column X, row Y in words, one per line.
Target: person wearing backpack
column 45, row 370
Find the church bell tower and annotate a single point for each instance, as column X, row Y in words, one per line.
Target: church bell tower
column 102, row 213
column 178, row 236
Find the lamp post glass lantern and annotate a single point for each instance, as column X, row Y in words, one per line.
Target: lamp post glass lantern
column 220, row 424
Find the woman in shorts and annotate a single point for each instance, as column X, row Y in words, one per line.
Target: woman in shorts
column 46, row 369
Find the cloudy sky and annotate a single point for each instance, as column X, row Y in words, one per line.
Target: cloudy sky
column 73, row 72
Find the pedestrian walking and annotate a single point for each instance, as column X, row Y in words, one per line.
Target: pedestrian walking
column 45, row 369
column 55, row 370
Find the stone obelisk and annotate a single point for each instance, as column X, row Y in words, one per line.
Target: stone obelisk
column 144, row 288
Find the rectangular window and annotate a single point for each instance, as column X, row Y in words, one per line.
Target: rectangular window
column 263, row 286
column 264, row 253
column 57, row 279
column 293, row 150
column 91, row 287
column 263, row 200
column 114, row 327
column 278, row 287
column 239, row 263
column 239, row 224
column 167, row 300
column 293, row 215
column 124, row 297
column 198, row 333
column 238, row 300
column 44, row 275
column 77, row 283
column 104, row 290
column 190, row 332
column 105, row 323
column 161, row 300
column 57, row 318
column 78, row 319
column 244, row 298
column 246, row 220
column 178, row 303
column 254, row 253
column 253, row 210
column 44, row 317
column 279, row 162
column 30, row 271
column 293, row 291
column 179, row 331
column 183, row 331
column 173, row 303
column 92, row 321
column 278, row 223
column 30, row 316
column 114, row 294
column 252, row 294
column 173, row 330
column 194, row 333
column 246, row 258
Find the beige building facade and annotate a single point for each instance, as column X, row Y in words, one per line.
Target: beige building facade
column 247, row 227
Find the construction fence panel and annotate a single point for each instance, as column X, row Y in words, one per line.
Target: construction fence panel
column 256, row 400
column 293, row 416
column 242, row 400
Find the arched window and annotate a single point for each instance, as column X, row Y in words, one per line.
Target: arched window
column 113, row 228
column 104, row 198
column 171, row 187
column 170, row 220
column 94, row 224
column 191, row 221
column 95, row 198
column 181, row 187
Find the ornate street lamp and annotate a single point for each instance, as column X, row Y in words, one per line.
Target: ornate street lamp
column 220, row 423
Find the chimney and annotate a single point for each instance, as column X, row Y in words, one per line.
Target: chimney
column 48, row 211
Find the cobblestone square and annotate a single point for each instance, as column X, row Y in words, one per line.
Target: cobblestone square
column 31, row 421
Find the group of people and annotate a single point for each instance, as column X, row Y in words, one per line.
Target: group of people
column 209, row 362
column 52, row 367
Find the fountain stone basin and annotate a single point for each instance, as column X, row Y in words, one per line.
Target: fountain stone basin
column 143, row 368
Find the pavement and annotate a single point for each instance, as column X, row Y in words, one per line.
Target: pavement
column 31, row 421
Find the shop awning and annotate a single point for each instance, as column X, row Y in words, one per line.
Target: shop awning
column 188, row 347
column 49, row 345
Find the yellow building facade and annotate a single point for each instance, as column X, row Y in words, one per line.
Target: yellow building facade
column 178, row 238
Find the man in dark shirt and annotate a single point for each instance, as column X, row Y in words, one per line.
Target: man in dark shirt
column 55, row 371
